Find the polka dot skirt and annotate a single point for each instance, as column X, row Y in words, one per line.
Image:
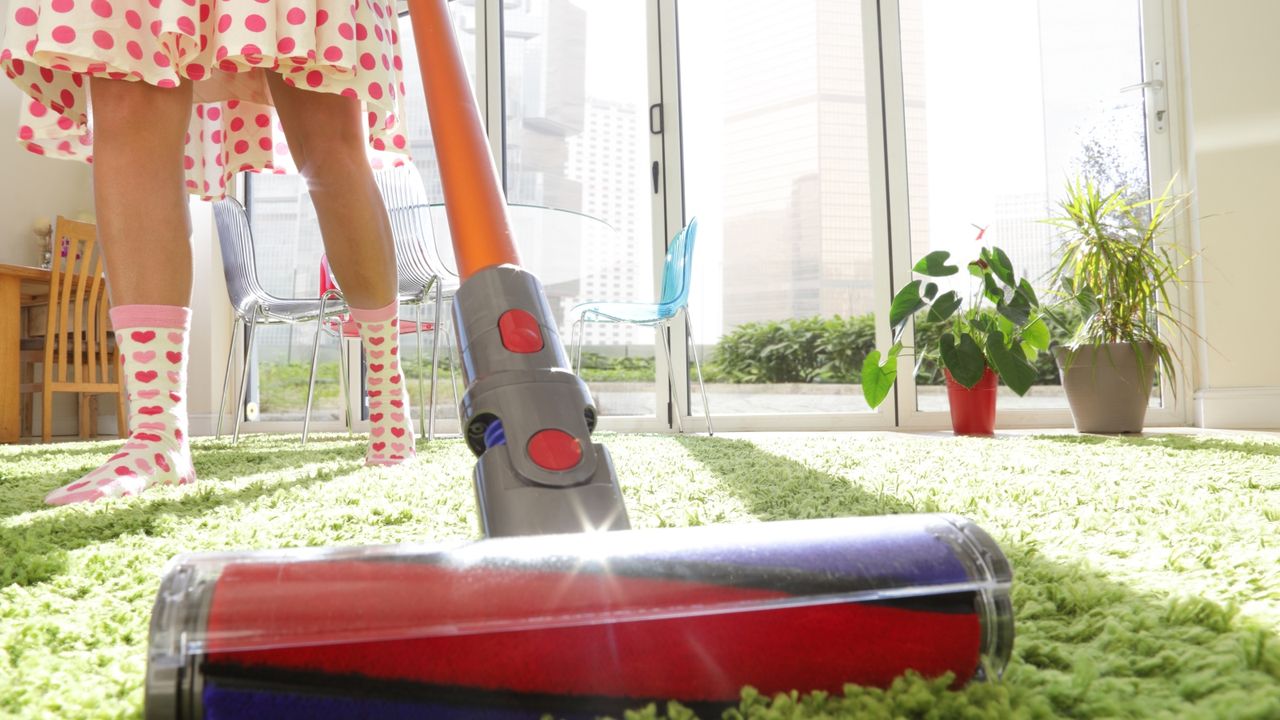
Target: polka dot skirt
column 350, row 47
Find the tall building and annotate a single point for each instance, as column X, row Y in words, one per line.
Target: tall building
column 602, row 160
column 797, row 200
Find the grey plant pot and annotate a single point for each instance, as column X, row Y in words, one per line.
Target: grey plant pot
column 1107, row 386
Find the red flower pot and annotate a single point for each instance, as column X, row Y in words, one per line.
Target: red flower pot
column 973, row 410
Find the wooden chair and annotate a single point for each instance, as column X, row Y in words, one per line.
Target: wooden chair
column 77, row 353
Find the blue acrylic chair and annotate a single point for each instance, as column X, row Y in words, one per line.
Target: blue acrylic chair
column 677, row 270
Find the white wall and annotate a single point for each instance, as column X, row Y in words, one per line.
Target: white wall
column 33, row 186
column 1231, row 60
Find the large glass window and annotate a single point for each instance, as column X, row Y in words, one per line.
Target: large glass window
column 775, row 141
column 577, row 168
column 1006, row 100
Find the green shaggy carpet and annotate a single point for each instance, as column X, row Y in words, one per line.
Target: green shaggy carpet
column 1147, row 570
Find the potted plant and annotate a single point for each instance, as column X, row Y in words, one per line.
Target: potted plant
column 995, row 337
column 1115, row 277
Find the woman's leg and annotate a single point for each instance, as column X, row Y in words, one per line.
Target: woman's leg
column 144, row 230
column 326, row 135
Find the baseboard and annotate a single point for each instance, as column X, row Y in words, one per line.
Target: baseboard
column 1241, row 408
column 205, row 424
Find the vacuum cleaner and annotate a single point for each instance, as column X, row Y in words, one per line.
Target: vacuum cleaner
column 562, row 610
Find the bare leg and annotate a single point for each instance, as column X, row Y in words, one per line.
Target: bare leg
column 141, row 202
column 326, row 135
column 145, row 231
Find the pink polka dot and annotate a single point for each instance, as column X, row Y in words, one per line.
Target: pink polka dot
column 296, row 16
column 350, row 92
column 35, row 149
column 166, row 83
column 101, row 8
column 368, row 62
column 265, row 143
column 62, row 5
column 134, row 19
column 285, row 45
column 36, row 109
column 64, row 34
column 314, row 78
column 398, row 141
column 68, row 98
column 103, row 39
column 255, row 22
column 398, row 63
column 215, row 137
column 224, row 23
column 375, row 90
column 344, row 30
column 195, row 72
column 205, row 11
column 262, row 120
column 361, row 31
column 135, row 50
column 213, row 113
column 187, row 25
column 237, row 124
column 333, row 53
column 251, row 50
column 156, row 27
column 241, row 147
column 322, row 17
column 199, row 114
column 25, row 132
column 26, row 17
column 378, row 144
column 282, row 149
column 65, row 123
column 188, row 162
column 377, row 32
column 160, row 59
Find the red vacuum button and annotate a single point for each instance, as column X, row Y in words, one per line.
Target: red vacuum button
column 555, row 450
column 520, row 332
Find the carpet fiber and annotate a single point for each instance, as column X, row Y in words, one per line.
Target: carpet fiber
column 1147, row 570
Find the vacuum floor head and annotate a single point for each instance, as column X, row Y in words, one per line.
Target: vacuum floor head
column 577, row 625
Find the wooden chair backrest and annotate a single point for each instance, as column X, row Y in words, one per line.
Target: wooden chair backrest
column 76, row 349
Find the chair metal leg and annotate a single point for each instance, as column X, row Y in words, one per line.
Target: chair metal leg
column 697, row 364
column 671, row 374
column 244, row 374
column 422, row 392
column 315, row 357
column 435, row 356
column 342, row 383
column 455, row 365
column 579, row 331
column 226, row 376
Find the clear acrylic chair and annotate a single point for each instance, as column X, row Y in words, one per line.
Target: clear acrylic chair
column 422, row 274
column 677, row 270
column 254, row 306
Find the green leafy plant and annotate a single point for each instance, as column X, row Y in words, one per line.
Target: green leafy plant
column 1113, row 270
column 1002, row 328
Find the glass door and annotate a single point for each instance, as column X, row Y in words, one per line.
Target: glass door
column 781, row 130
column 577, row 171
column 1002, row 102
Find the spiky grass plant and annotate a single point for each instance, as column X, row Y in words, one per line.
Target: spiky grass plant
column 1115, row 269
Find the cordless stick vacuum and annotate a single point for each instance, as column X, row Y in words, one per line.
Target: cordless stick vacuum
column 551, row 615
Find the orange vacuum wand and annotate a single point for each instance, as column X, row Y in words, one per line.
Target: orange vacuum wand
column 524, row 414
column 473, row 196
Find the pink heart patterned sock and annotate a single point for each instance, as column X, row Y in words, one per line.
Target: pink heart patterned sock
column 391, row 438
column 152, row 340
